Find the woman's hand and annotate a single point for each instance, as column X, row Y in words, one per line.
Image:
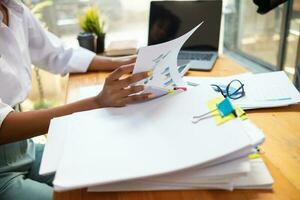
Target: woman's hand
column 125, row 60
column 102, row 63
column 118, row 92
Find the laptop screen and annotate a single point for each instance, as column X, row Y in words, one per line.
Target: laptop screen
column 171, row 19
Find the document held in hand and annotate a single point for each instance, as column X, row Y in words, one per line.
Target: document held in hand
column 161, row 59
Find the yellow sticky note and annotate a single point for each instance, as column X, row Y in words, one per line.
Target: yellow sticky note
column 254, row 156
column 241, row 113
column 171, row 91
column 218, row 118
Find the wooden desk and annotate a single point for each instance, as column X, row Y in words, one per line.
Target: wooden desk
column 280, row 125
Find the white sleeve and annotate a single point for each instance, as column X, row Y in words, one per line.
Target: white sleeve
column 48, row 52
column 4, row 111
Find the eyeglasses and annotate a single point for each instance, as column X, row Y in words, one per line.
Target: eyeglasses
column 234, row 90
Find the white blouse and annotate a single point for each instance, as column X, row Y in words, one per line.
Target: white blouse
column 23, row 43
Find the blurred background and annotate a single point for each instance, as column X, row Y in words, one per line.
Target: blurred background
column 259, row 42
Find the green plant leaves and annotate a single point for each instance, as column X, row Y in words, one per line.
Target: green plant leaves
column 90, row 21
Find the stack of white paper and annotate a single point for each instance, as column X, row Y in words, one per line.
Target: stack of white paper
column 154, row 145
column 273, row 89
column 253, row 175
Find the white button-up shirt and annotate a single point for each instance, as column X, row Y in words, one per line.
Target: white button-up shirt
column 23, row 43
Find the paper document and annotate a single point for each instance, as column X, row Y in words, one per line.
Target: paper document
column 58, row 131
column 55, row 143
column 258, row 177
column 219, row 174
column 273, row 89
column 161, row 59
column 140, row 136
column 268, row 90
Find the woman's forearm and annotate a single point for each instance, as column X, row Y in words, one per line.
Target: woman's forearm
column 20, row 126
column 116, row 92
column 102, row 63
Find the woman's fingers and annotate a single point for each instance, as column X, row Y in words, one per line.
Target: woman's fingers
column 137, row 98
column 123, row 70
column 133, row 79
column 132, row 90
column 119, row 91
column 119, row 72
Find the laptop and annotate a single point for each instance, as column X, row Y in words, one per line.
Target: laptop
column 171, row 19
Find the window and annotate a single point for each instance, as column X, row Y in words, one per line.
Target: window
column 254, row 36
column 292, row 56
column 271, row 40
column 124, row 19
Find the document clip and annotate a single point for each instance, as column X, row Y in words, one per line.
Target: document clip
column 225, row 108
column 177, row 89
column 257, row 154
column 222, row 110
column 260, row 150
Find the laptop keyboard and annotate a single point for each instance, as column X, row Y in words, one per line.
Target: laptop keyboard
column 195, row 56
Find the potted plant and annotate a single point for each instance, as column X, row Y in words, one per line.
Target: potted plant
column 90, row 22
